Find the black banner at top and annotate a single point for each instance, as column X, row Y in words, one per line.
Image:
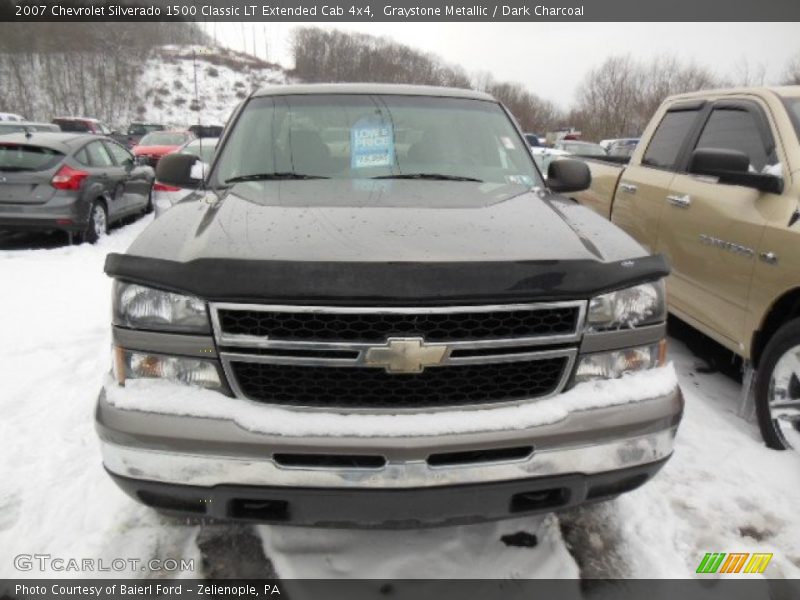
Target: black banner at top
column 403, row 10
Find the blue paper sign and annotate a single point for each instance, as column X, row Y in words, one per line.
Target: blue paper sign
column 371, row 144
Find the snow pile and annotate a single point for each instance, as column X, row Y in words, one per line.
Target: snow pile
column 55, row 497
column 174, row 399
column 224, row 79
column 463, row 552
column 722, row 491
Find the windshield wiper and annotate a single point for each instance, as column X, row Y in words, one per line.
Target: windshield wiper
column 275, row 175
column 16, row 169
column 434, row 176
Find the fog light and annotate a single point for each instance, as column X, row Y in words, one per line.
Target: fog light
column 611, row 365
column 140, row 365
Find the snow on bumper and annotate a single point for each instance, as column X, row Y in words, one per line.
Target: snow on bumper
column 160, row 432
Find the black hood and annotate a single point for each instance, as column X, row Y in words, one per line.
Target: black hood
column 386, row 239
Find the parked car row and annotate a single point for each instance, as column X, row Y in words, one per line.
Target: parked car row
column 77, row 175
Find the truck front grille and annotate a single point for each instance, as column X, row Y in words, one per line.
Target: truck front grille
column 374, row 327
column 441, row 387
column 391, row 359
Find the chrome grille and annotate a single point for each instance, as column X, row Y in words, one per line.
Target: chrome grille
column 354, row 358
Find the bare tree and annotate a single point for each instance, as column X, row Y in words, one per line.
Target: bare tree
column 335, row 56
column 791, row 74
column 618, row 98
column 748, row 75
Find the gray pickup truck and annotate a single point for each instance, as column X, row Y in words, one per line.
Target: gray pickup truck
column 373, row 312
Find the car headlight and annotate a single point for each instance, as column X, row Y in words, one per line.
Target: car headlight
column 611, row 365
column 630, row 307
column 141, row 307
column 142, row 365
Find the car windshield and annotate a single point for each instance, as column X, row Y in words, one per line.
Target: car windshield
column 203, row 148
column 11, row 127
column 22, row 157
column 142, row 129
column 72, row 126
column 163, row 138
column 583, row 149
column 375, row 136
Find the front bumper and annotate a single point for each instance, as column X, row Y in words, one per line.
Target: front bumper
column 216, row 468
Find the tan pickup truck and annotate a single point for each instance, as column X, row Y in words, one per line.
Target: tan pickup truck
column 714, row 185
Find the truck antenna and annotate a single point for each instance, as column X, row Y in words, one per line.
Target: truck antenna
column 197, row 105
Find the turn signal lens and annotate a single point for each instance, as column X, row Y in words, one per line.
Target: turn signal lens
column 612, row 365
column 189, row 371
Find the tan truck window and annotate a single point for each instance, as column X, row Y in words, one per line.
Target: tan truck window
column 668, row 139
column 736, row 130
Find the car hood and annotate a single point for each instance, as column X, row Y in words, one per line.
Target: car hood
column 383, row 242
column 154, row 150
column 382, row 220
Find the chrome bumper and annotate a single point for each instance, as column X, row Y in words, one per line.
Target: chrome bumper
column 205, row 452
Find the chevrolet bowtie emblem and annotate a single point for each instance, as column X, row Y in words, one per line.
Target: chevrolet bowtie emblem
column 405, row 355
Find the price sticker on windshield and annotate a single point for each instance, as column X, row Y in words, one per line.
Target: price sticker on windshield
column 371, row 144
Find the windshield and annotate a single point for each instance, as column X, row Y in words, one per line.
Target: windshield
column 163, row 138
column 72, row 126
column 583, row 149
column 143, row 128
column 21, row 157
column 203, row 149
column 359, row 137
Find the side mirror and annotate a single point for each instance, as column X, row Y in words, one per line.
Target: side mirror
column 176, row 170
column 568, row 175
column 732, row 167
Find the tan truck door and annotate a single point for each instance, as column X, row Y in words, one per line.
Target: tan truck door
column 710, row 231
column 640, row 197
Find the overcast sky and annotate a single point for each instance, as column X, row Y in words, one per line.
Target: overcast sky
column 552, row 58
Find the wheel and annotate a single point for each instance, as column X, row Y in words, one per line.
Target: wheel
column 149, row 206
column 778, row 389
column 98, row 223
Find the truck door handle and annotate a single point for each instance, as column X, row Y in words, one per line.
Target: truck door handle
column 628, row 188
column 680, row 201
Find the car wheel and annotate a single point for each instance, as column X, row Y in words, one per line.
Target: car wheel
column 778, row 389
column 98, row 223
column 149, row 206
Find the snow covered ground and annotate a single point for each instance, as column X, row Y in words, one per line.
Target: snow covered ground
column 723, row 491
column 224, row 79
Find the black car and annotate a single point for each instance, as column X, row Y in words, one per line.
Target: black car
column 69, row 182
column 136, row 131
column 206, row 131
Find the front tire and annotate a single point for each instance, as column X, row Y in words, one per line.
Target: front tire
column 98, row 223
column 777, row 393
column 149, row 206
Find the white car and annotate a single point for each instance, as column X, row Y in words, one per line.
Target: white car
column 11, row 117
column 166, row 196
column 543, row 156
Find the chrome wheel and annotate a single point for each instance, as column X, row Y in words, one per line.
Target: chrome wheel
column 784, row 397
column 99, row 221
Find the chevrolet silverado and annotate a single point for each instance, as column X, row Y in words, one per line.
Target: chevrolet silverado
column 373, row 311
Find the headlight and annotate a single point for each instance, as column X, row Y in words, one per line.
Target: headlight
column 611, row 365
column 141, row 307
column 141, row 365
column 631, row 307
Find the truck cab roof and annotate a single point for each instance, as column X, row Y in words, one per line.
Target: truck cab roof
column 372, row 88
